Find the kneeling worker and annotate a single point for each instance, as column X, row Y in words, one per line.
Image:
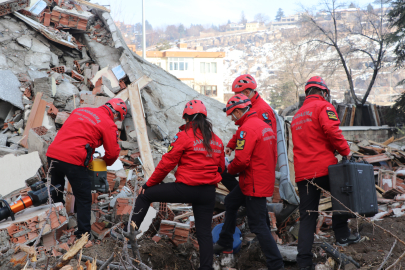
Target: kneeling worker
column 255, row 161
column 68, row 154
column 316, row 136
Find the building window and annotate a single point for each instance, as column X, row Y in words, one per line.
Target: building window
column 208, row 67
column 209, row 90
column 180, row 63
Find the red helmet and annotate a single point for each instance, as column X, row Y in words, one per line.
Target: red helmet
column 316, row 81
column 119, row 106
column 238, row 101
column 193, row 107
column 243, row 82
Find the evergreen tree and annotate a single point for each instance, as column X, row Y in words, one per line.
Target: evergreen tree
column 280, row 14
column 396, row 17
column 352, row 5
column 229, row 21
column 370, row 8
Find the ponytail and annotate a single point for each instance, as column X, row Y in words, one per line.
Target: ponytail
column 200, row 121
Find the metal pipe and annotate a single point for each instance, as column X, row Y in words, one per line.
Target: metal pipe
column 143, row 31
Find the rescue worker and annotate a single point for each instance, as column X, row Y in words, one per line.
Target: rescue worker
column 199, row 154
column 255, row 161
column 246, row 85
column 316, row 136
column 67, row 153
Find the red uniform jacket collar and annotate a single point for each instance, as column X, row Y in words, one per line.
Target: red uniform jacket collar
column 255, row 98
column 311, row 98
column 247, row 115
column 109, row 112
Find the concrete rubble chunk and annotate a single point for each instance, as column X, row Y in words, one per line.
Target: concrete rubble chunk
column 25, row 41
column 61, row 117
column 37, row 144
column 44, row 85
column 64, row 91
column 14, row 170
column 36, row 74
column 10, row 88
column 29, row 220
column 3, row 140
column 128, row 145
column 103, row 55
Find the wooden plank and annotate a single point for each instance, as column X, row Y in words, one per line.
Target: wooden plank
column 39, row 116
column 183, row 216
column 143, row 81
column 32, row 118
column 376, row 143
column 140, row 127
column 379, row 189
column 352, row 115
column 342, row 123
column 92, row 5
column 390, row 140
column 376, row 158
column 325, row 206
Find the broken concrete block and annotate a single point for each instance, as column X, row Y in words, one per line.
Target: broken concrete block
column 10, row 88
column 72, row 223
column 15, row 171
column 72, row 104
column 44, row 85
column 61, row 117
column 3, row 140
column 25, row 41
column 128, row 145
column 289, row 253
column 64, row 91
column 29, row 223
column 39, row 47
column 37, row 144
column 132, row 135
column 14, row 139
column 36, row 74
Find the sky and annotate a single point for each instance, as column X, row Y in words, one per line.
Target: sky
column 205, row 12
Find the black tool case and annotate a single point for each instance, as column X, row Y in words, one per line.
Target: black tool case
column 352, row 183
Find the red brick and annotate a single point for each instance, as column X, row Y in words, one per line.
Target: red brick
column 156, row 238
column 77, row 76
column 47, row 20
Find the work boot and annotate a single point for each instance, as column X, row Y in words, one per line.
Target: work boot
column 288, row 210
column 220, row 249
column 352, row 239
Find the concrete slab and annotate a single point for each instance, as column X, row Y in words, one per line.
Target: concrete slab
column 289, row 253
column 15, row 170
column 10, row 89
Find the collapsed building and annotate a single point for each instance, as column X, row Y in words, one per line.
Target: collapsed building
column 56, row 56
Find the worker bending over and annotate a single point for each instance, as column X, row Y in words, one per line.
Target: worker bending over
column 69, row 156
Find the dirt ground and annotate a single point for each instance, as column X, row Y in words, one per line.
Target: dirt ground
column 369, row 253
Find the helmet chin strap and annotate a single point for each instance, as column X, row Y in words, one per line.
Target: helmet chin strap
column 242, row 114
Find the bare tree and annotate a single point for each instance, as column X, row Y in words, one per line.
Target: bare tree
column 243, row 19
column 337, row 29
column 261, row 18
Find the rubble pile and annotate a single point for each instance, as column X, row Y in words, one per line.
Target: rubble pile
column 56, row 56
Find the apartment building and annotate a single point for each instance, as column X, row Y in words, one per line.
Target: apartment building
column 202, row 71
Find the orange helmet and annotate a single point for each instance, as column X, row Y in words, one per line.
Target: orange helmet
column 195, row 106
column 238, row 101
column 316, row 81
column 119, row 106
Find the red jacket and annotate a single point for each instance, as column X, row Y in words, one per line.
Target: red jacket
column 196, row 166
column 255, row 156
column 316, row 136
column 94, row 126
column 264, row 112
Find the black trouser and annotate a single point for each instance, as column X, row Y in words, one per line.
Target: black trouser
column 80, row 181
column 309, row 200
column 230, row 182
column 256, row 213
column 203, row 201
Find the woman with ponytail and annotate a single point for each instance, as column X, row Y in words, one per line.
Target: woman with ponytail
column 199, row 154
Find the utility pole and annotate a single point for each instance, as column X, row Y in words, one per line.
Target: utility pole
column 143, row 31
